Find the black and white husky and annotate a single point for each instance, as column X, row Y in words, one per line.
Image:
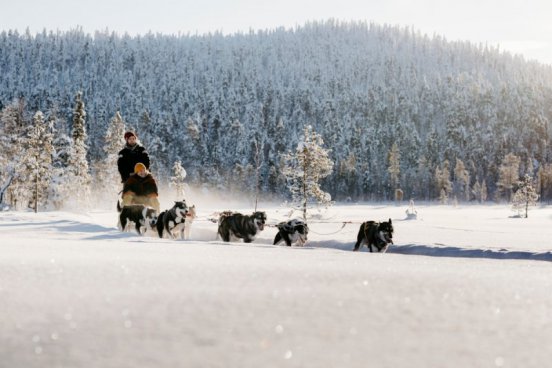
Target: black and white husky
column 173, row 222
column 143, row 217
column 235, row 226
column 376, row 234
column 291, row 232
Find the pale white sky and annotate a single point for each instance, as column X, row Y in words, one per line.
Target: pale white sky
column 523, row 27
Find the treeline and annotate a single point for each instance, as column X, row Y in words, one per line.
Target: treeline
column 398, row 109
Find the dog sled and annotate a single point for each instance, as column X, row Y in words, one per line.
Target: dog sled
column 133, row 199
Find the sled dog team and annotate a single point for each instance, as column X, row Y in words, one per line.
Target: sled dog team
column 140, row 207
column 176, row 223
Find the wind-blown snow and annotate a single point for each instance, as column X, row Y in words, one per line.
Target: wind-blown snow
column 461, row 287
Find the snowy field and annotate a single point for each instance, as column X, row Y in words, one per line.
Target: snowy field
column 465, row 286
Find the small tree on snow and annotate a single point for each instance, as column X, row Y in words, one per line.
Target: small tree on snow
column 524, row 196
column 107, row 168
column 59, row 188
column 257, row 170
column 479, row 191
column 304, row 168
column 442, row 182
column 38, row 159
column 461, row 185
column 12, row 143
column 394, row 168
column 177, row 181
column 79, row 179
column 508, row 176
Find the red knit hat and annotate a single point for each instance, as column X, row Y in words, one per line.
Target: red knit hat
column 129, row 134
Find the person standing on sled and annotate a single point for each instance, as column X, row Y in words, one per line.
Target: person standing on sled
column 141, row 188
column 130, row 155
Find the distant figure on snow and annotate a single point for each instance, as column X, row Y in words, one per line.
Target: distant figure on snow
column 130, row 155
column 411, row 213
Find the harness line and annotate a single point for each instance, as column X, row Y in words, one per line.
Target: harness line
column 344, row 223
column 335, row 232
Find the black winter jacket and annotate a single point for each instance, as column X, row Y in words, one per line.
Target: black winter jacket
column 129, row 157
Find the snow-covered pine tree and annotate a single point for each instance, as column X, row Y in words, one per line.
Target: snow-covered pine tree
column 305, row 167
column 479, row 190
column 177, row 180
column 442, row 182
column 422, row 186
column 461, row 185
column 524, row 196
column 13, row 184
column 544, row 181
column 460, row 118
column 394, row 168
column 38, row 160
column 59, row 188
column 192, row 129
column 258, row 162
column 107, row 168
column 508, row 176
column 79, row 179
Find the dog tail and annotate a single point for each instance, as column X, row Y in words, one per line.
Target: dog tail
column 119, row 209
column 223, row 215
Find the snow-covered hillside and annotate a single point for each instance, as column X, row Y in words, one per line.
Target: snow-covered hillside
column 464, row 286
column 454, row 107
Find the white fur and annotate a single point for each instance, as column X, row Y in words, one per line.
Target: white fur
column 298, row 238
column 178, row 226
column 381, row 235
column 189, row 221
column 234, row 238
column 178, row 230
column 295, row 237
column 257, row 224
column 129, row 226
column 145, row 222
column 180, row 214
column 144, row 212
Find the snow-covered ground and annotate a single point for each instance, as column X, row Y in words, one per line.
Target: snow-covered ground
column 465, row 286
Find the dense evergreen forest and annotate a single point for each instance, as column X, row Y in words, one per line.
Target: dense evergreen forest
column 397, row 109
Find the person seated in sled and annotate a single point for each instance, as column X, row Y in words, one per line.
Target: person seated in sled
column 141, row 188
column 130, row 155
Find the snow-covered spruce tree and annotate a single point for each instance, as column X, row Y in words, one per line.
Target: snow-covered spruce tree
column 304, row 168
column 508, row 176
column 78, row 176
column 106, row 171
column 12, row 140
column 479, row 190
column 544, row 182
column 59, row 188
column 177, row 180
column 525, row 195
column 461, row 184
column 394, row 168
column 38, row 160
column 257, row 149
column 442, row 182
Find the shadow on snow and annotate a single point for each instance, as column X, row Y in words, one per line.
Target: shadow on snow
column 450, row 251
column 99, row 232
column 444, row 251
